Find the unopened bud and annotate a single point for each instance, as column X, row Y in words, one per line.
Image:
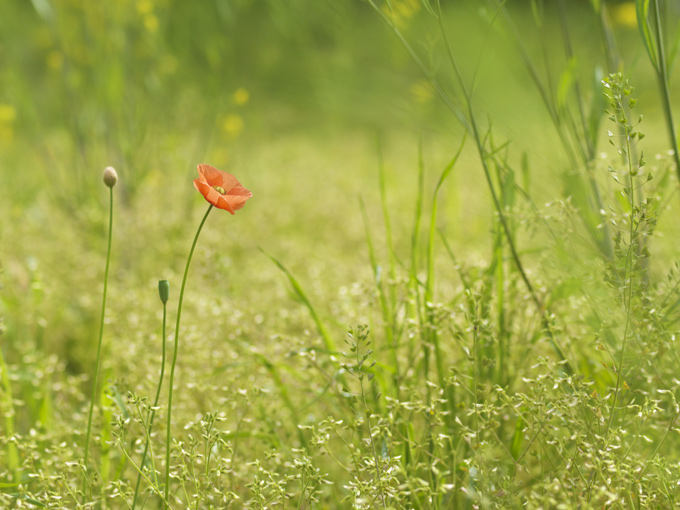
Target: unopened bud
column 164, row 290
column 110, row 176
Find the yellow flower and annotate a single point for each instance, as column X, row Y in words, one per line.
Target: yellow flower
column 402, row 11
column 7, row 114
column 241, row 96
column 624, row 15
column 232, row 124
column 144, row 6
column 151, row 23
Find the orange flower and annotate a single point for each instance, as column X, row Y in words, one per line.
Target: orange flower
column 221, row 189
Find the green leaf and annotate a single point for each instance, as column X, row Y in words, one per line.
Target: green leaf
column 567, row 79
column 642, row 12
column 328, row 341
column 673, row 51
column 428, row 7
column 517, row 438
column 597, row 107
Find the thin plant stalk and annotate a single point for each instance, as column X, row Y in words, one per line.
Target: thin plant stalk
column 567, row 129
column 469, row 124
column 174, row 355
column 664, row 84
column 382, row 297
column 430, row 330
column 99, row 344
column 153, row 411
column 12, row 454
column 628, row 277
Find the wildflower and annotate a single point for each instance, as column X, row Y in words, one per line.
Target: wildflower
column 144, row 6
column 7, row 114
column 401, row 11
column 221, row 189
column 625, row 15
column 7, row 117
column 232, row 124
column 151, row 23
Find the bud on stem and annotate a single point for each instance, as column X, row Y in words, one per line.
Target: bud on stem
column 164, row 290
column 110, row 176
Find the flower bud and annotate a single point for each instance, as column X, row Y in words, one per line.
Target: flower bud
column 164, row 290
column 110, row 176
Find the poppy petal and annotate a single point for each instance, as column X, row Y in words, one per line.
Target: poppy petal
column 228, row 181
column 211, row 175
column 239, row 191
column 208, row 192
column 211, row 180
column 223, row 203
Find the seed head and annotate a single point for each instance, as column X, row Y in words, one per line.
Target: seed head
column 110, row 176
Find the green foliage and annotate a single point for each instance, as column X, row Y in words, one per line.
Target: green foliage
column 514, row 302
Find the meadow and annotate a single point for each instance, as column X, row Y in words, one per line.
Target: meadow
column 456, row 283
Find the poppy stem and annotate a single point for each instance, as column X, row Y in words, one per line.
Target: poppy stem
column 153, row 414
column 174, row 355
column 99, row 347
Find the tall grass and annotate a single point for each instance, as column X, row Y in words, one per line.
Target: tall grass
column 532, row 367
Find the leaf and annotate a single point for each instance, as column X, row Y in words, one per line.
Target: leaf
column 597, row 107
column 642, row 12
column 526, row 174
column 566, row 82
column 673, row 52
column 517, row 438
column 428, row 7
column 328, row 341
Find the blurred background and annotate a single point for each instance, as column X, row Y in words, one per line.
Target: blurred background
column 293, row 98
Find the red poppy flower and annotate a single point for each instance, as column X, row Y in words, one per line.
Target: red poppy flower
column 221, row 189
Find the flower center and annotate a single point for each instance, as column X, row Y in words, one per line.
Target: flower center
column 219, row 190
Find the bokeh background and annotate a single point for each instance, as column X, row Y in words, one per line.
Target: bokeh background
column 297, row 99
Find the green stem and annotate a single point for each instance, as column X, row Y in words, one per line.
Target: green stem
column 628, row 276
column 664, row 83
column 12, row 454
column 99, row 344
column 153, row 414
column 174, row 354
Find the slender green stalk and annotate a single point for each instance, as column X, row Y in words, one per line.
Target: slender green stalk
column 99, row 344
column 153, row 414
column 378, row 474
column 12, row 454
column 390, row 306
column 155, row 488
column 174, row 355
column 628, row 277
column 388, row 324
column 664, row 84
column 430, row 330
column 567, row 129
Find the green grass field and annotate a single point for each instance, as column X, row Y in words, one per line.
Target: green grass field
column 456, row 284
